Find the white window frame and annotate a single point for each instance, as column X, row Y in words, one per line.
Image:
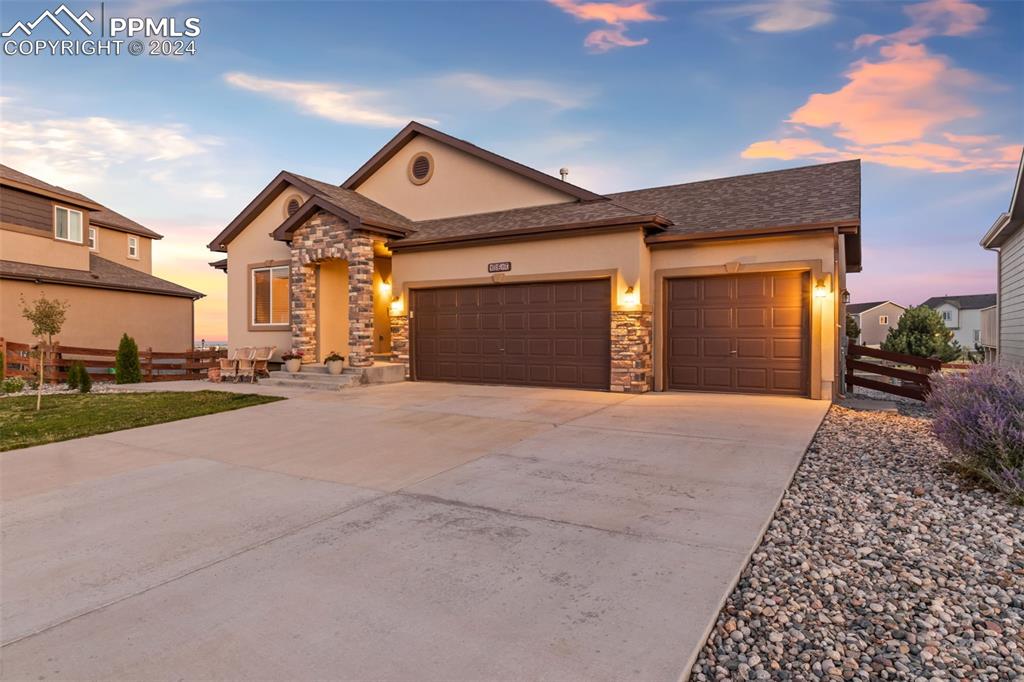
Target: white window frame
column 883, row 319
column 947, row 315
column 133, row 247
column 270, row 307
column 81, row 224
column 94, row 239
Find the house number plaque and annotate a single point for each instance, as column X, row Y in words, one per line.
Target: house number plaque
column 504, row 266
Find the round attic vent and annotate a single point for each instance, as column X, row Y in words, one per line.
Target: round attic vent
column 293, row 206
column 421, row 167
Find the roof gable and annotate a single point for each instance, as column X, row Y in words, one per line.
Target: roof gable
column 414, row 128
column 965, row 302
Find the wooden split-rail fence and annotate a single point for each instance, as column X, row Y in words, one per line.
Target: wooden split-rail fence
column 877, row 369
column 22, row 360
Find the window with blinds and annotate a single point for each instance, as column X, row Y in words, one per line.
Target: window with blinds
column 270, row 295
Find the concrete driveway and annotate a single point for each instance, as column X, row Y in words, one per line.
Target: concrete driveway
column 407, row 531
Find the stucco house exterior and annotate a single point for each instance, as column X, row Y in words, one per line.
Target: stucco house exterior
column 962, row 314
column 1005, row 324
column 64, row 244
column 875, row 319
column 467, row 266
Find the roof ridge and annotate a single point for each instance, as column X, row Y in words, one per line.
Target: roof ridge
column 527, row 208
column 733, row 177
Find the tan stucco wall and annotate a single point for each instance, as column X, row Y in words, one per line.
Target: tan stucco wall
column 381, row 305
column 113, row 246
column 254, row 245
column 42, row 249
column 97, row 317
column 621, row 255
column 461, row 184
column 814, row 253
column 332, row 308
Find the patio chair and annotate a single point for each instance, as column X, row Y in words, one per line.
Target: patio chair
column 229, row 365
column 246, row 365
column 261, row 362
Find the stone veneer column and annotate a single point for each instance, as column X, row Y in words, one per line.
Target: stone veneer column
column 632, row 356
column 360, row 301
column 303, row 293
column 400, row 340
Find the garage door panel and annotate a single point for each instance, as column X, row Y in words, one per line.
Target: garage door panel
column 544, row 334
column 741, row 333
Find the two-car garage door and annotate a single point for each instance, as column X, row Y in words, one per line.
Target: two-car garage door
column 536, row 334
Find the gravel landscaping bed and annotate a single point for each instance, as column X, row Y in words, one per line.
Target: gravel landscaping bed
column 62, row 389
column 879, row 564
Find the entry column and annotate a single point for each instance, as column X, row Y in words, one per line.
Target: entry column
column 360, row 301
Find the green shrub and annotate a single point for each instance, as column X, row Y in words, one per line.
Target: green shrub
column 73, row 376
column 922, row 332
column 84, row 380
column 12, row 385
column 126, row 364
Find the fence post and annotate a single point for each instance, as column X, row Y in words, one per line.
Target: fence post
column 3, row 358
column 54, row 369
column 149, row 365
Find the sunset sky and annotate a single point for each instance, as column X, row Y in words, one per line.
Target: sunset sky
column 930, row 95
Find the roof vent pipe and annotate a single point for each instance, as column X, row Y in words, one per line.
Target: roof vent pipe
column 563, row 171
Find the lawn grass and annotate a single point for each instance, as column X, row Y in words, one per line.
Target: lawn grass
column 64, row 417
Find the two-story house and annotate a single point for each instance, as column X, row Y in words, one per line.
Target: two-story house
column 66, row 245
column 1003, row 325
column 875, row 319
column 962, row 314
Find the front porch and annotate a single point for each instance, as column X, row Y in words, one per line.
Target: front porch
column 340, row 292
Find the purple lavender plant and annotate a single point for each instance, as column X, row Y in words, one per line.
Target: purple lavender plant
column 979, row 417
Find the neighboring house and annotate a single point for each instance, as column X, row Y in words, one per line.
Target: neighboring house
column 875, row 319
column 470, row 267
column 962, row 314
column 1006, row 237
column 63, row 244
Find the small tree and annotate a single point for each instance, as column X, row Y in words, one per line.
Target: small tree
column 922, row 332
column 73, row 376
column 126, row 364
column 852, row 328
column 47, row 318
column 84, row 380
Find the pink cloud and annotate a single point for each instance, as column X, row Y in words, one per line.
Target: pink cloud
column 616, row 16
column 895, row 109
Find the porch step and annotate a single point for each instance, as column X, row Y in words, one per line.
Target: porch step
column 313, row 380
column 315, row 376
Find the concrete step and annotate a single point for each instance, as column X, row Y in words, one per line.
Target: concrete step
column 316, row 381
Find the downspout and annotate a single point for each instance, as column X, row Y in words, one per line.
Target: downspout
column 838, row 386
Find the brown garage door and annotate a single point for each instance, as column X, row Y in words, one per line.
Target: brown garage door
column 739, row 333
column 537, row 334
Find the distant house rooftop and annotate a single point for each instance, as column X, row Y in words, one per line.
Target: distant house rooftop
column 964, row 302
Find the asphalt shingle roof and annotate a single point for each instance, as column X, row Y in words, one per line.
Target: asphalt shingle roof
column 965, row 302
column 858, row 308
column 102, row 274
column 356, row 203
column 808, row 195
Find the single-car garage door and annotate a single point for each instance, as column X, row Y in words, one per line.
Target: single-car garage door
column 536, row 334
column 745, row 333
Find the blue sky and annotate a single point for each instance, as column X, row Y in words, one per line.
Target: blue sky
column 626, row 95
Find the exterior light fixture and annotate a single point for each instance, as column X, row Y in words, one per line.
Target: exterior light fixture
column 631, row 298
column 821, row 288
column 846, row 296
column 396, row 305
column 385, row 288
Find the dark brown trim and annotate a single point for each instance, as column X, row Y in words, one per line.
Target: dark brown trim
column 87, row 204
column 249, row 302
column 414, row 128
column 533, row 233
column 97, row 285
column 254, row 208
column 667, row 239
column 127, row 230
column 221, row 265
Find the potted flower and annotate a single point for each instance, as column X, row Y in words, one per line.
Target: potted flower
column 335, row 363
column 293, row 360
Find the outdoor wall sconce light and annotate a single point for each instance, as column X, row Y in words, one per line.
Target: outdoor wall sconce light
column 385, row 287
column 396, row 305
column 631, row 298
column 821, row 288
column 846, row 296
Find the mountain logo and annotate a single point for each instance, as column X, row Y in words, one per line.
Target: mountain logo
column 76, row 20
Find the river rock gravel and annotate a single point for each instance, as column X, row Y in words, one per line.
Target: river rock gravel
column 879, row 564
